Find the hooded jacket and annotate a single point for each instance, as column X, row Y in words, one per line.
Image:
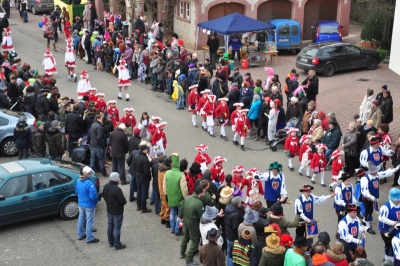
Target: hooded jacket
column 22, row 135
column 174, row 184
column 321, row 260
column 162, row 169
column 87, row 192
column 336, row 259
column 272, row 256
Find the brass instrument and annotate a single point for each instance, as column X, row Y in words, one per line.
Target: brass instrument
column 304, row 222
column 287, row 201
column 393, row 227
column 342, row 213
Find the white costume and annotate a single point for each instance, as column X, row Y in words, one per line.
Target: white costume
column 7, row 44
column 49, row 63
column 83, row 85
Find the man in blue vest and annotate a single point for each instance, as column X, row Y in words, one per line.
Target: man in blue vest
column 304, row 206
column 389, row 221
column 370, row 190
column 344, row 196
column 349, row 228
column 374, row 154
column 275, row 186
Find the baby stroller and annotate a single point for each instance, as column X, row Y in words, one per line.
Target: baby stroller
column 282, row 134
column 81, row 153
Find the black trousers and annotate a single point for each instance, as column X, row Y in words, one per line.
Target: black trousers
column 118, row 165
column 347, row 251
column 270, row 203
column 142, row 194
column 369, row 209
column 388, row 244
column 263, row 124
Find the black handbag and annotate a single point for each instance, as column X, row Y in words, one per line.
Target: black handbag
column 45, row 35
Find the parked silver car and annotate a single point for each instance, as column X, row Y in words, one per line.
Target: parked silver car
column 8, row 121
column 40, row 6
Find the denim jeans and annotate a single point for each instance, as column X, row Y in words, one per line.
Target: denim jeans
column 114, row 229
column 229, row 246
column 328, row 154
column 86, row 219
column 118, row 165
column 25, row 16
column 132, row 187
column 97, row 154
column 142, row 194
column 130, row 69
column 155, row 81
column 156, row 200
column 173, row 218
column 169, row 86
column 22, row 153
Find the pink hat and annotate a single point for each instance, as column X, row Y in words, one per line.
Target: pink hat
column 84, row 74
column 336, row 153
column 202, row 147
column 129, row 110
column 48, row 52
column 219, row 159
column 292, row 129
column 238, row 170
column 252, row 171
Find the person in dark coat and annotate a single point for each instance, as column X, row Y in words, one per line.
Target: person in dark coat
column 143, row 177
column 4, row 102
column 312, row 85
column 13, row 91
column 54, row 141
column 53, row 100
column 22, row 136
column 379, row 96
column 213, row 46
column 139, row 24
column 88, row 119
column 73, row 127
column 293, row 109
column 233, row 217
column 38, row 85
column 97, row 142
column 213, row 187
column 233, row 97
column 133, row 143
column 155, row 163
column 331, row 139
column 6, row 6
column 38, row 140
column 119, row 148
column 396, row 161
column 43, row 104
column 88, row 47
column 115, row 201
column 387, row 107
column 30, row 101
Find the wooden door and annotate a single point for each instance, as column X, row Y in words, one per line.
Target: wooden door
column 316, row 10
column 274, row 9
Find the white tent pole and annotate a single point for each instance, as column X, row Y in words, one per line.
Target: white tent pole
column 226, row 37
column 197, row 36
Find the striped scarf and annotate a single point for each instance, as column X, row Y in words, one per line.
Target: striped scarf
column 241, row 253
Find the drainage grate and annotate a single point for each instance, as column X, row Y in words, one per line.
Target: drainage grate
column 363, row 79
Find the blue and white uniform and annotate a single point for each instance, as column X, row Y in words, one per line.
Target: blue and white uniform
column 344, row 195
column 396, row 249
column 275, row 186
column 389, row 215
column 349, row 229
column 305, row 206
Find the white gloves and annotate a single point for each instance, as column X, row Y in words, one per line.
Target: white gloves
column 372, row 198
column 397, row 168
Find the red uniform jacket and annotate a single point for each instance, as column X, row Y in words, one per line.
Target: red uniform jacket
column 247, row 182
column 237, row 180
column 191, row 180
column 337, row 164
column 222, row 110
column 158, row 134
column 193, row 100
column 202, row 157
column 217, row 173
column 129, row 121
column 292, row 145
column 318, row 162
column 114, row 115
column 92, row 97
column 201, row 103
column 242, row 124
column 302, row 150
column 209, row 108
column 101, row 105
column 152, row 128
column 234, row 115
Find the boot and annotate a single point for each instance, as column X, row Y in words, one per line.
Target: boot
column 242, row 147
column 55, row 48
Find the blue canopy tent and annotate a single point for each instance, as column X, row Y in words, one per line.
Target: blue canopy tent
column 231, row 24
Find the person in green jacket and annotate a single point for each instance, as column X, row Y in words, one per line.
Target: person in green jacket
column 295, row 256
column 190, row 214
column 175, row 189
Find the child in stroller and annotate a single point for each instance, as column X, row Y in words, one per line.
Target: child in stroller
column 282, row 134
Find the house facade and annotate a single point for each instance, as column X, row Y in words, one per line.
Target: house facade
column 395, row 52
column 190, row 12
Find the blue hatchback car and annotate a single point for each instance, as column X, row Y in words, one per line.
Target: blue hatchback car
column 35, row 188
column 327, row 31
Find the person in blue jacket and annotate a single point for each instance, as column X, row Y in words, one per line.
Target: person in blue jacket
column 236, row 45
column 86, row 191
column 254, row 114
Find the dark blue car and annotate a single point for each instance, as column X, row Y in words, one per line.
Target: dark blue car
column 327, row 31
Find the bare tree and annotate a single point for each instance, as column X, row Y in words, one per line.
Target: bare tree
column 169, row 17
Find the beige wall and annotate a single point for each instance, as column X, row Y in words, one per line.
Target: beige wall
column 395, row 51
column 187, row 30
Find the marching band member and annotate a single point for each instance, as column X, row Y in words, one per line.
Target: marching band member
column 217, row 170
column 222, row 112
column 49, row 63
column 7, row 45
column 318, row 163
column 235, row 115
column 337, row 165
column 389, row 221
column 83, row 85
column 344, row 195
column 124, row 79
column 193, row 100
column 92, row 95
column 370, row 190
column 200, row 106
column 69, row 60
column 254, row 187
column 304, row 206
column 275, row 186
column 305, row 155
column 291, row 146
column 113, row 112
column 374, row 153
column 237, row 178
column 349, row 228
column 202, row 157
column 159, row 140
column 242, row 126
column 209, row 110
